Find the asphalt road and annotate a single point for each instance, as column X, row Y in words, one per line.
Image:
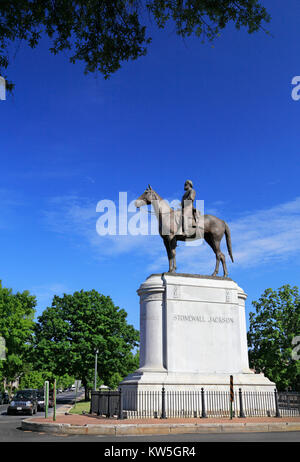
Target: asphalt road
column 10, row 431
column 10, row 425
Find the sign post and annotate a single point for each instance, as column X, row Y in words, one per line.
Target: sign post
column 46, row 397
column 54, row 400
column 77, row 386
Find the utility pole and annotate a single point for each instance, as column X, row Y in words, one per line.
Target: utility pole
column 54, row 400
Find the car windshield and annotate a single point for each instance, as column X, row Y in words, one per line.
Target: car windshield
column 23, row 395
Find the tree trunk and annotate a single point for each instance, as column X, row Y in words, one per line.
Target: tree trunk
column 86, row 390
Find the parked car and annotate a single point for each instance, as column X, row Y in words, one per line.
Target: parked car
column 4, row 398
column 24, row 402
column 41, row 400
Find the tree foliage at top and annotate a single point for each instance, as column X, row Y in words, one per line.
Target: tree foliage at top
column 104, row 33
column 272, row 330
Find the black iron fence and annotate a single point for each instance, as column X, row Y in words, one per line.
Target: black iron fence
column 289, row 402
column 106, row 403
column 202, row 403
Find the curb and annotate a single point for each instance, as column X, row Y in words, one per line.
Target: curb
column 158, row 429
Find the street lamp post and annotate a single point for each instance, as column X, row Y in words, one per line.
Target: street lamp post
column 96, row 360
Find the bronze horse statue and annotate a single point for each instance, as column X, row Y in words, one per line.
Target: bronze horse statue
column 209, row 227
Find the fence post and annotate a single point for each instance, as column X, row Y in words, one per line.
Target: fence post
column 276, row 404
column 98, row 395
column 91, row 407
column 163, row 403
column 242, row 414
column 108, row 405
column 231, row 396
column 121, row 416
column 203, row 412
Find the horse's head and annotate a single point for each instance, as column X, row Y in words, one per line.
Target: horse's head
column 146, row 198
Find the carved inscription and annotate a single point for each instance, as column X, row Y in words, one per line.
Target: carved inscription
column 228, row 296
column 176, row 292
column 173, row 291
column 211, row 319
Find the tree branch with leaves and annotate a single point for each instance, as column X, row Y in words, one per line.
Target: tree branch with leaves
column 104, row 33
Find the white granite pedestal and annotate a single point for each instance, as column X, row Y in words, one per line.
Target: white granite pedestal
column 193, row 335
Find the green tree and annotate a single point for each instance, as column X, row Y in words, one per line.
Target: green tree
column 270, row 338
column 64, row 381
column 32, row 379
column 17, row 328
column 104, row 33
column 69, row 332
column 115, row 378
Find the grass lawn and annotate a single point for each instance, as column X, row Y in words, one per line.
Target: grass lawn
column 80, row 406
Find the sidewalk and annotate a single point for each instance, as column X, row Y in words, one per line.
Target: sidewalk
column 87, row 424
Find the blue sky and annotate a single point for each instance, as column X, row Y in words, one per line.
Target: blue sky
column 222, row 116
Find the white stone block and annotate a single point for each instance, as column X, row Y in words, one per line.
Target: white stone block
column 193, row 335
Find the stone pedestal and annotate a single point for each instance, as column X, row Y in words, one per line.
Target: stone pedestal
column 193, row 335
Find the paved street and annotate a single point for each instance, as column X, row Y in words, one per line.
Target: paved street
column 10, row 431
column 10, row 425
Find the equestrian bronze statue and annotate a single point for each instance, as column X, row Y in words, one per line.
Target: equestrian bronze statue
column 187, row 224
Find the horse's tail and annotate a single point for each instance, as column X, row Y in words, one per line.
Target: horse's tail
column 228, row 240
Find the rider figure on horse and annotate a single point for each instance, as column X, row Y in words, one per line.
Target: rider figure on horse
column 188, row 210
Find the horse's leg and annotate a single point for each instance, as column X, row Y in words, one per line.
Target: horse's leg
column 218, row 237
column 215, row 245
column 220, row 256
column 223, row 260
column 217, row 264
column 168, row 249
column 214, row 230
